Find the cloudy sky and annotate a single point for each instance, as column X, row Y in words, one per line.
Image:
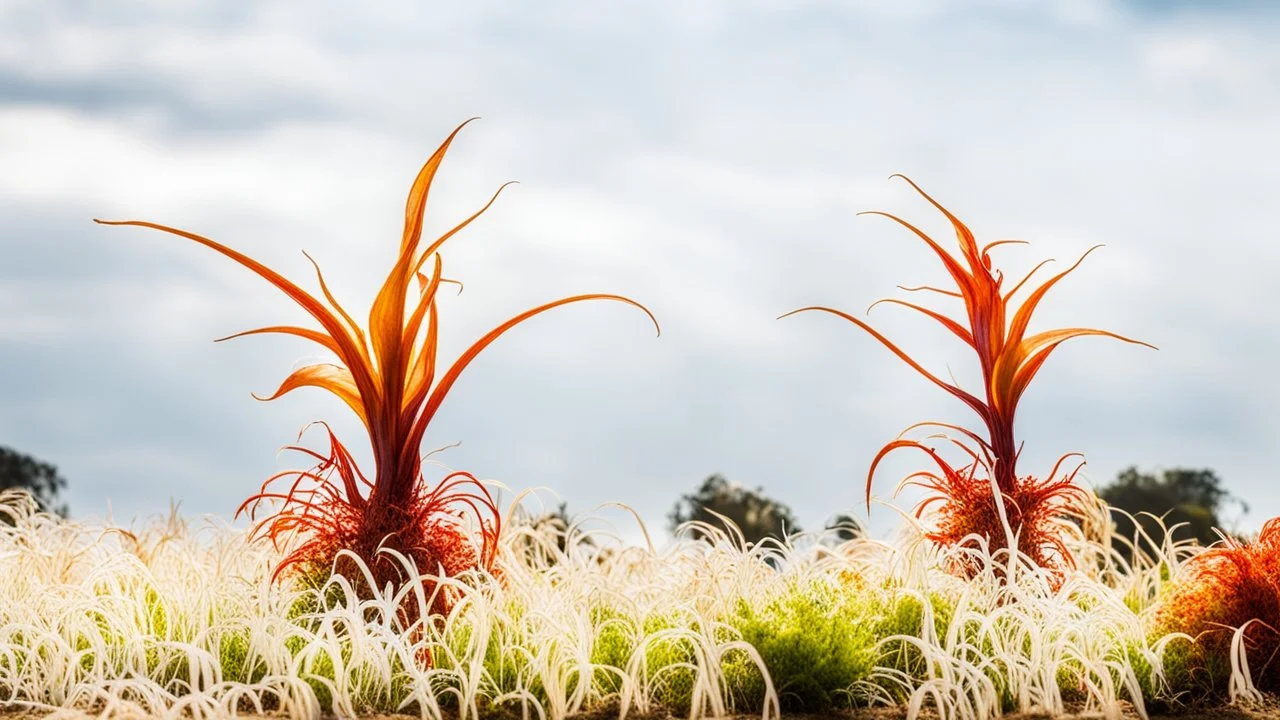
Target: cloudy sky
column 705, row 158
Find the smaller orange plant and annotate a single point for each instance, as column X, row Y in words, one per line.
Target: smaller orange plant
column 1232, row 585
column 1009, row 358
column 388, row 376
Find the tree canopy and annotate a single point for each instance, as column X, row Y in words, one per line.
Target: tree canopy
column 843, row 528
column 40, row 478
column 1180, row 495
column 756, row 515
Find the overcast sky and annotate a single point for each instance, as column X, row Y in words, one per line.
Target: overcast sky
column 706, row 159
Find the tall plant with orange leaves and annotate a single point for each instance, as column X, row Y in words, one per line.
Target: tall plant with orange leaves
column 388, row 374
column 966, row 496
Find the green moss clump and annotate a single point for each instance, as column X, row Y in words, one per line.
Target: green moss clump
column 236, row 661
column 903, row 614
column 505, row 656
column 1191, row 675
column 157, row 616
column 615, row 642
column 670, row 660
column 315, row 670
column 818, row 640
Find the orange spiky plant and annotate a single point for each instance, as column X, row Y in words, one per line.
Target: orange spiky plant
column 1231, row 585
column 1009, row 358
column 387, row 375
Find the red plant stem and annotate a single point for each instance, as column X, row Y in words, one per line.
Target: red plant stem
column 1004, row 451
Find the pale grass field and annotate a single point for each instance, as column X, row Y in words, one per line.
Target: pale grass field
column 178, row 618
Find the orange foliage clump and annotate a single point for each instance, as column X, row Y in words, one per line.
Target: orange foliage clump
column 1232, row 585
column 1009, row 358
column 387, row 374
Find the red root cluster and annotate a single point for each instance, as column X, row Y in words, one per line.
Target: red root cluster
column 443, row 530
column 1032, row 511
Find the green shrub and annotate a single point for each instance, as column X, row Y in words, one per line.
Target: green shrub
column 818, row 640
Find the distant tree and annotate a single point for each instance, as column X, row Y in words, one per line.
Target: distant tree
column 1181, row 495
column 756, row 515
column 554, row 523
column 844, row 528
column 40, row 478
column 556, row 520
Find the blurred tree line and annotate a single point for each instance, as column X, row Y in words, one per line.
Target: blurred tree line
column 1190, row 501
column 757, row 515
column 40, row 478
column 1191, row 498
